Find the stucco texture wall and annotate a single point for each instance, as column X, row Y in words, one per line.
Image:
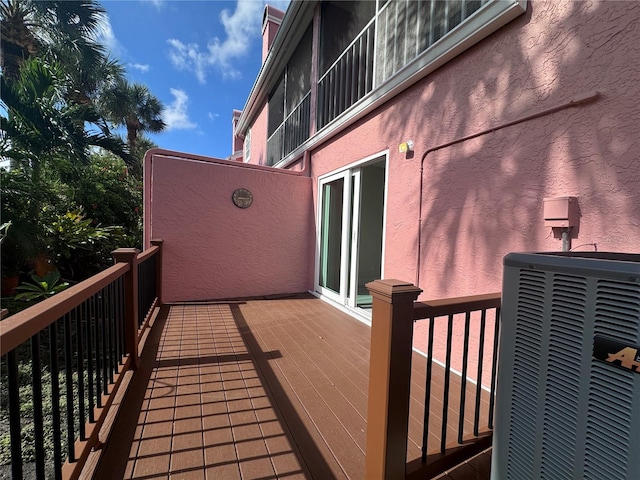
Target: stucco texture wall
column 213, row 249
column 483, row 198
column 259, row 138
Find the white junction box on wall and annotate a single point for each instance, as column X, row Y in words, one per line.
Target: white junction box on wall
column 568, row 393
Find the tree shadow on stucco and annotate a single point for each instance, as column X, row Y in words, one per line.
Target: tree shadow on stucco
column 483, row 197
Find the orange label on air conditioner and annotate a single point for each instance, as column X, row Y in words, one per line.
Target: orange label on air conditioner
column 617, row 353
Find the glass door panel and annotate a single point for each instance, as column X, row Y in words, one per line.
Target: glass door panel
column 368, row 231
column 331, row 235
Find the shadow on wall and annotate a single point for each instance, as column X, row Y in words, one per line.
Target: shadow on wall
column 484, row 197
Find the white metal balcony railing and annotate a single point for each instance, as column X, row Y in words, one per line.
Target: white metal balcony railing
column 407, row 28
column 291, row 133
column 349, row 78
column 401, row 31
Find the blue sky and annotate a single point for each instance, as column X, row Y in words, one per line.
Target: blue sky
column 200, row 58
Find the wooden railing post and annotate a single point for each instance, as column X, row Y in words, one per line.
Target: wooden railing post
column 130, row 256
column 389, row 378
column 158, row 242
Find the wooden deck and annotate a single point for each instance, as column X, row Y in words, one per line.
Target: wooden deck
column 261, row 389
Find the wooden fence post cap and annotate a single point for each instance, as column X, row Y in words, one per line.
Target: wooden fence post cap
column 393, row 291
column 156, row 241
column 124, row 254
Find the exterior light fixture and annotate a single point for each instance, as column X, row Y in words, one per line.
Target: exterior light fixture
column 405, row 147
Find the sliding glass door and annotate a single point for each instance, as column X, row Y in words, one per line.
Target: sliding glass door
column 350, row 233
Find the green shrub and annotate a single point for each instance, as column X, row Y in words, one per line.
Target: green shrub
column 42, row 287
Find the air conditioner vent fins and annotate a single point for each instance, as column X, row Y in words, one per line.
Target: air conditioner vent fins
column 618, row 310
column 608, row 423
column 562, row 391
column 562, row 414
column 526, row 373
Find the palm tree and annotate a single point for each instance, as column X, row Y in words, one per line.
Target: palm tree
column 63, row 31
column 131, row 105
column 42, row 126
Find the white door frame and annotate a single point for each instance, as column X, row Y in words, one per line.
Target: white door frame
column 348, row 270
column 346, row 208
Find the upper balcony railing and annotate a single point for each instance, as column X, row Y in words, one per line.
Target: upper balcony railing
column 291, row 133
column 349, row 78
column 399, row 32
column 67, row 356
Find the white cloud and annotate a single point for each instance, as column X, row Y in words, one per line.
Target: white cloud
column 144, row 68
column 175, row 115
column 156, row 3
column 213, row 116
column 241, row 27
column 106, row 37
column 188, row 57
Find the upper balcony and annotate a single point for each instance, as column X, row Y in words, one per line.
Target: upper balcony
column 365, row 53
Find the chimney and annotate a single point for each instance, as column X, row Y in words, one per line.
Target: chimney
column 271, row 20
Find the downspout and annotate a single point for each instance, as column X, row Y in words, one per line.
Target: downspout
column 577, row 101
column 305, row 171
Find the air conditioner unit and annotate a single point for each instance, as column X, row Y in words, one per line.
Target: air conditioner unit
column 568, row 394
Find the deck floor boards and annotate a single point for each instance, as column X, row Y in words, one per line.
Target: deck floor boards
column 261, row 389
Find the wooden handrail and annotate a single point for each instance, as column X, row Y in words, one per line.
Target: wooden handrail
column 149, row 252
column 453, row 306
column 18, row 328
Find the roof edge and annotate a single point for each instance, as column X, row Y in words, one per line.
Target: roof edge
column 297, row 11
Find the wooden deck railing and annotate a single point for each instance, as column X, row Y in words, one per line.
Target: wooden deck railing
column 393, row 316
column 477, row 308
column 67, row 356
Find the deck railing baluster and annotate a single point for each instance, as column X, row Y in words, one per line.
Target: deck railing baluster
column 494, row 370
column 14, row 415
column 109, row 326
column 68, row 370
column 463, row 383
column 116, row 325
column 113, row 337
column 121, row 315
column 55, row 399
column 98, row 344
column 36, row 389
column 80, row 357
column 90, row 358
column 447, row 383
column 427, row 394
column 476, row 417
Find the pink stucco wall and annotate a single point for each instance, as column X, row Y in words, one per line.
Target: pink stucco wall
column 259, row 138
column 213, row 249
column 484, row 197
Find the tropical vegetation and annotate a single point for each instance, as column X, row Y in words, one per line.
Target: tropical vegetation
column 71, row 183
